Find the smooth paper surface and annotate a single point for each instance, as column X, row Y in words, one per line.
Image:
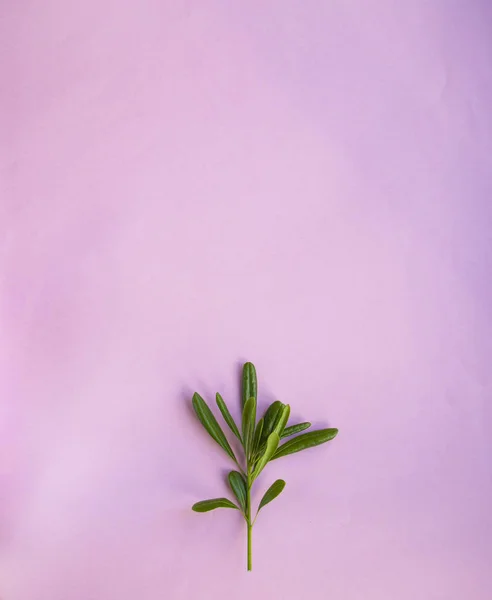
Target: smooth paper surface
column 185, row 186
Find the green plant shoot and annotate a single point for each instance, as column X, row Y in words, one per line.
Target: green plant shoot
column 261, row 443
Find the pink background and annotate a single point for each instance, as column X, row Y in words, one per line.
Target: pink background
column 189, row 184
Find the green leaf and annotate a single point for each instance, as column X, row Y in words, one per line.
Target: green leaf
column 250, row 385
column 294, row 429
column 238, row 486
column 305, row 440
column 270, row 419
column 208, row 420
column 249, row 420
column 282, row 420
column 272, row 492
column 271, row 447
column 227, row 416
column 206, row 505
column 257, row 438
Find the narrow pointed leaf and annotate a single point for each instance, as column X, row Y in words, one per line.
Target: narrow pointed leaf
column 249, row 420
column 227, row 416
column 238, row 486
column 271, row 447
column 206, row 505
column 257, row 438
column 305, row 440
column 270, row 419
column 250, row 385
column 272, row 492
column 282, row 420
column 208, row 420
column 294, row 429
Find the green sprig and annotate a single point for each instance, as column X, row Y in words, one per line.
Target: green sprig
column 261, row 444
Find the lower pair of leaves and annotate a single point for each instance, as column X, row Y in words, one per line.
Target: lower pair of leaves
column 240, row 491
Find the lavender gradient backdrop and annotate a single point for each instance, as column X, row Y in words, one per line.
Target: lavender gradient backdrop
column 186, row 185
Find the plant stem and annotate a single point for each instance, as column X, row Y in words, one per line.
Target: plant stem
column 249, row 523
column 250, row 556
